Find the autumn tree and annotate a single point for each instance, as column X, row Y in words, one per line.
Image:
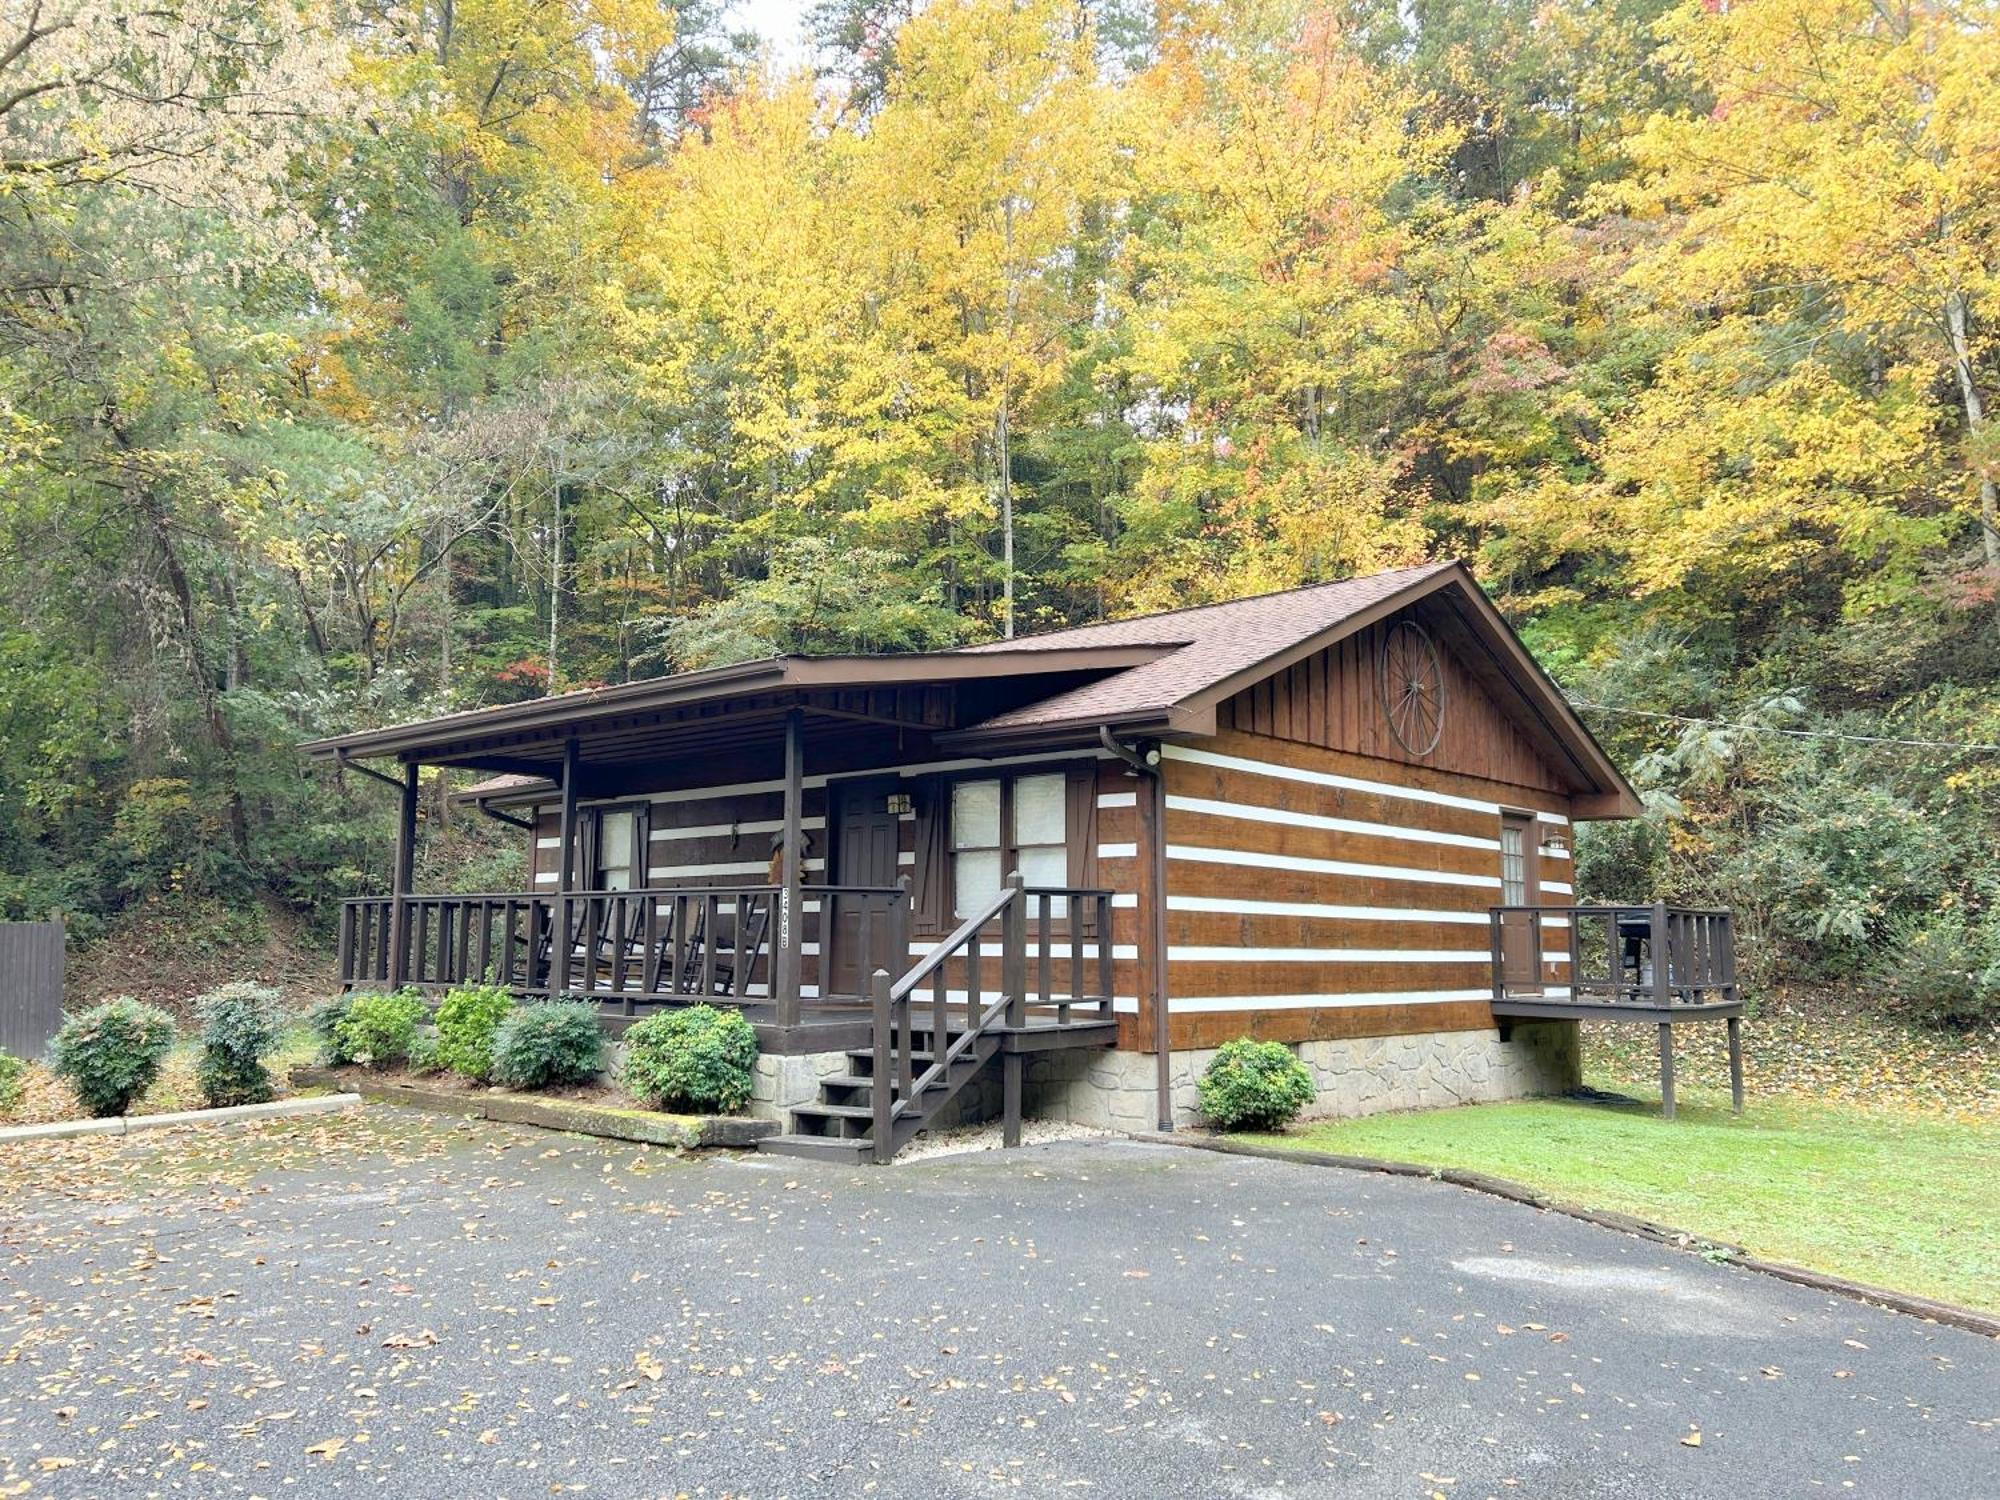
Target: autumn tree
column 1829, row 226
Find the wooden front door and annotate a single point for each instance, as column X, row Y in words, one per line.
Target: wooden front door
column 1520, row 955
column 866, row 835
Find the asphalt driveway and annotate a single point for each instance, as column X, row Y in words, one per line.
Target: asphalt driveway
column 390, row 1304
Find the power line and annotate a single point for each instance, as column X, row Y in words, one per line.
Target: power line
column 1797, row 734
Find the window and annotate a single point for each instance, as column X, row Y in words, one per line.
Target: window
column 1513, row 861
column 620, row 847
column 998, row 825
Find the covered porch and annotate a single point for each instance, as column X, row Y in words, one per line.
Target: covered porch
column 804, row 752
column 635, row 952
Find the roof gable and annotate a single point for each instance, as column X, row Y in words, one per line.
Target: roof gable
column 1226, row 648
column 1221, row 647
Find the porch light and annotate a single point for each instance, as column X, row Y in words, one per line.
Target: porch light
column 1555, row 843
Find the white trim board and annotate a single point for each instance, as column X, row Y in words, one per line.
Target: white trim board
column 1282, row 772
column 1244, row 906
column 1201, row 953
column 1196, row 1004
column 1245, row 859
column 1253, row 812
column 725, row 830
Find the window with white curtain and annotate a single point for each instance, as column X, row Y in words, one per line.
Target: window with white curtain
column 1514, row 863
column 617, row 848
column 1000, row 824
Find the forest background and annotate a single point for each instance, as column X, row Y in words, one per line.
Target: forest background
column 361, row 361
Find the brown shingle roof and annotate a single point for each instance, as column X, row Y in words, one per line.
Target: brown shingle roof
column 1216, row 641
column 495, row 786
column 1153, row 675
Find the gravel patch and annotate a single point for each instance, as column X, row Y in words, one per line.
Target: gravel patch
column 969, row 1138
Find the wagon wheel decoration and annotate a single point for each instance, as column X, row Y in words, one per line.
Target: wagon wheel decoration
column 1413, row 687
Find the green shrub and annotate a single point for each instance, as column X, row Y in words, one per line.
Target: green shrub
column 111, row 1053
column 378, row 1029
column 12, row 1069
column 697, row 1059
column 466, row 1020
column 1943, row 970
column 547, row 1045
column 1254, row 1086
column 323, row 1021
column 239, row 1026
column 423, row 1056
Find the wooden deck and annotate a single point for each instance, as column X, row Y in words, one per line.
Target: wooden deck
column 1660, row 964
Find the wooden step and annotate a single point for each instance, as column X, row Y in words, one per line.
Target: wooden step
column 834, row 1111
column 852, row 1150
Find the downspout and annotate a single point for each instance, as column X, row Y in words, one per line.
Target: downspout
column 1154, row 812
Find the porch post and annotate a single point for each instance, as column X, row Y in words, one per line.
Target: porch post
column 1735, row 1066
column 1153, row 936
column 565, row 873
column 1014, row 986
column 785, row 955
column 400, row 876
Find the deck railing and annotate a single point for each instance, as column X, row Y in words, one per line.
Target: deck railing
column 1654, row 957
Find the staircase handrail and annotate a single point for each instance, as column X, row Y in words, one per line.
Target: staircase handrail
column 924, row 967
column 893, row 1006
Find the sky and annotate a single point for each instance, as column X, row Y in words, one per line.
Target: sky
column 779, row 22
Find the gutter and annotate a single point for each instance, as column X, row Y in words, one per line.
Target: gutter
column 485, row 805
column 344, row 762
column 1147, row 767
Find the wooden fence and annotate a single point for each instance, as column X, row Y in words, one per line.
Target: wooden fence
column 31, row 986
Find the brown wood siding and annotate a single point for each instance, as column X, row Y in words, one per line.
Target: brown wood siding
column 1333, row 700
column 1332, row 1024
column 1280, row 881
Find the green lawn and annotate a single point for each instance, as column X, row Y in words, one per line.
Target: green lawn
column 1899, row 1199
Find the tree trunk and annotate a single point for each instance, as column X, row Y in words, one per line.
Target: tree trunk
column 199, row 669
column 1003, row 452
column 1003, row 459
column 1956, row 319
column 315, row 632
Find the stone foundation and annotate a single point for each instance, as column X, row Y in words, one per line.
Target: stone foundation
column 1358, row 1076
column 1114, row 1090
column 780, row 1084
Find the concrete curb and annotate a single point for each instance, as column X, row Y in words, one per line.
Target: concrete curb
column 644, row 1126
column 1970, row 1319
column 235, row 1114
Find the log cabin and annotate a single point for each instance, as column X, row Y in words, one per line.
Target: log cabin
column 1051, row 875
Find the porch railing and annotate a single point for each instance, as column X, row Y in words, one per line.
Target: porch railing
column 1646, row 956
column 653, row 943
column 656, row 944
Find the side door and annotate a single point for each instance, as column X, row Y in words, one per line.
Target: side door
column 1520, row 956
